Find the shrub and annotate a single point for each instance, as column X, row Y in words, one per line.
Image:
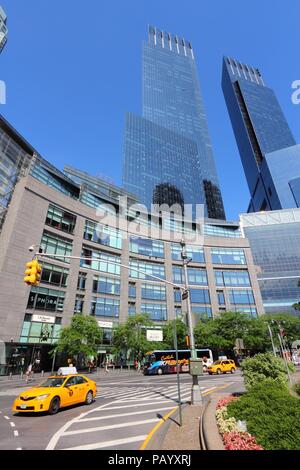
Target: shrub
column 271, row 413
column 297, row 388
column 262, row 366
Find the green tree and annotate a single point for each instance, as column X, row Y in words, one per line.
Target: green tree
column 168, row 335
column 82, row 337
column 290, row 324
column 221, row 332
column 131, row 337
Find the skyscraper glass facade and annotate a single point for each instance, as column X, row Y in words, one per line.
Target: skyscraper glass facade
column 3, row 28
column 172, row 105
column 270, row 156
column 275, row 244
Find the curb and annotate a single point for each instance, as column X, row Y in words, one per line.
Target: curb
column 157, row 440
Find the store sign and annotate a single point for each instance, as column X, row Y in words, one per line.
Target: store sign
column 154, row 335
column 43, row 319
column 105, row 324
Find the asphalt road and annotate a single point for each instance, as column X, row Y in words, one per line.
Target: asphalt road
column 127, row 407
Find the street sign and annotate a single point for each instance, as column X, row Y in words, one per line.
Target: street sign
column 105, row 324
column 185, row 295
column 239, row 343
column 154, row 335
column 43, row 319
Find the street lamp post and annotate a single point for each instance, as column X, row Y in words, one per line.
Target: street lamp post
column 196, row 396
column 271, row 337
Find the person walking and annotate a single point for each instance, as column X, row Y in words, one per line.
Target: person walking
column 106, row 366
column 29, row 373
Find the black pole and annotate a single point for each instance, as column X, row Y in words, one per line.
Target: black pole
column 177, row 370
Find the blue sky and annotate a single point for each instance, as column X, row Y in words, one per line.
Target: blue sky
column 72, row 70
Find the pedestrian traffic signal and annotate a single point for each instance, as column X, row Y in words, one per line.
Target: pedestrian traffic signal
column 32, row 273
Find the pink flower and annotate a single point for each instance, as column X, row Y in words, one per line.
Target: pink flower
column 235, row 440
column 224, row 401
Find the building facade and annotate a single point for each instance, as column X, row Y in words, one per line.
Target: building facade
column 63, row 217
column 275, row 243
column 170, row 144
column 268, row 150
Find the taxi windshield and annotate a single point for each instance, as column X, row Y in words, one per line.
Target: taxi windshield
column 53, row 382
column 217, row 362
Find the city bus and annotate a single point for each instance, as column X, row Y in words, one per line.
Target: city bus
column 164, row 362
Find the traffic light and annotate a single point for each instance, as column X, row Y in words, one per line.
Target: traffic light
column 32, row 273
column 187, row 340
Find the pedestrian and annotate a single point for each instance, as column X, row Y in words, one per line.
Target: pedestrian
column 70, row 363
column 29, row 373
column 136, row 364
column 106, row 366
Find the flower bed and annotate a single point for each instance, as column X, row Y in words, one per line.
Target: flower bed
column 233, row 437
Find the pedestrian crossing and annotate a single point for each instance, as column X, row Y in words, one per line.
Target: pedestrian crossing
column 124, row 421
column 144, row 393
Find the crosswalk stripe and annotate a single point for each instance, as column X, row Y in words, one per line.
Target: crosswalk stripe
column 137, row 405
column 110, row 426
column 105, row 445
column 131, row 413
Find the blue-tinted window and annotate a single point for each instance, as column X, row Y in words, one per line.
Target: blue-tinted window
column 147, row 247
column 200, row 296
column 131, row 289
column 221, row 298
column 100, row 261
column 194, row 252
column 103, row 234
column 196, row 276
column 154, row 269
column 104, row 307
column 157, row 312
column 106, row 285
column 227, row 256
column 232, row 278
column 54, row 245
column 153, row 292
column 237, row 297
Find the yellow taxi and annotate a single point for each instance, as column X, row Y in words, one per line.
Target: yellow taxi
column 222, row 366
column 56, row 392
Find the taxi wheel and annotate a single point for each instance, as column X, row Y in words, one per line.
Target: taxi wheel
column 218, row 371
column 232, row 370
column 89, row 397
column 54, row 406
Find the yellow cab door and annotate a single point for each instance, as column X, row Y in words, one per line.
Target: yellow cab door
column 70, row 392
column 225, row 366
column 83, row 388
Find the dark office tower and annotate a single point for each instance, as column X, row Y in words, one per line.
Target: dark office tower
column 172, row 101
column 270, row 156
column 166, row 193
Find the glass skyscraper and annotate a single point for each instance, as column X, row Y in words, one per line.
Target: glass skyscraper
column 274, row 239
column 3, row 29
column 170, row 144
column 270, row 156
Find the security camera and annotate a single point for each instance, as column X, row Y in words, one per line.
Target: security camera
column 31, row 248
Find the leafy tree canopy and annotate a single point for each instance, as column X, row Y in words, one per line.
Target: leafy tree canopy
column 83, row 336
